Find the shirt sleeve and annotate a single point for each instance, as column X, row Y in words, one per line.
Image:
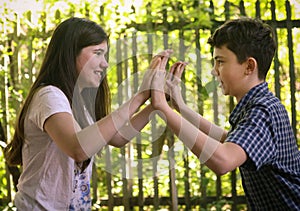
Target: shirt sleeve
column 47, row 101
column 254, row 134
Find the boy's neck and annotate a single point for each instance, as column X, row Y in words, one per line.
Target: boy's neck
column 247, row 88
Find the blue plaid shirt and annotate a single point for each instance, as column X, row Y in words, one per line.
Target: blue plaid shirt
column 271, row 174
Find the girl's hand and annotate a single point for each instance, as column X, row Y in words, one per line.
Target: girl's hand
column 158, row 99
column 158, row 62
column 158, row 95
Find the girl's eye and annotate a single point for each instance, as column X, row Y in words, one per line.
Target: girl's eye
column 99, row 52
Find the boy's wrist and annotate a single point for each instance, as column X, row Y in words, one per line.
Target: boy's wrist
column 181, row 106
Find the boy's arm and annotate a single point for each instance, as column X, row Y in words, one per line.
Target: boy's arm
column 219, row 157
column 203, row 124
column 173, row 89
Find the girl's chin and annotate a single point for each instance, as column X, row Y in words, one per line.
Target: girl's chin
column 92, row 85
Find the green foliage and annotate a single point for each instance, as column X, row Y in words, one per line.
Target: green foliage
column 3, row 179
column 26, row 34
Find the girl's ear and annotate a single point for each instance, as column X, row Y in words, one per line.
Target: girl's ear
column 251, row 66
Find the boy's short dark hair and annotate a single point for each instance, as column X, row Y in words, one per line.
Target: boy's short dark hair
column 247, row 37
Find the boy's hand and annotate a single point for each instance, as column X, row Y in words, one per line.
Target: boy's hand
column 172, row 87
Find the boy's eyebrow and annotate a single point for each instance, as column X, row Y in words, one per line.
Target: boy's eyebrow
column 218, row 57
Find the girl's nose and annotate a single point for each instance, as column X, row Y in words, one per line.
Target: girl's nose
column 104, row 64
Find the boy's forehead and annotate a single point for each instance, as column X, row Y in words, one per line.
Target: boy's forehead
column 224, row 53
column 218, row 51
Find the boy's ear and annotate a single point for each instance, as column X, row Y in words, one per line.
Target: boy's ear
column 251, row 66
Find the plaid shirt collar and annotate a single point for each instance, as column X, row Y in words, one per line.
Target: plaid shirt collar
column 260, row 89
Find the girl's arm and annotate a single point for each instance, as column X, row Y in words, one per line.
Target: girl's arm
column 129, row 131
column 81, row 144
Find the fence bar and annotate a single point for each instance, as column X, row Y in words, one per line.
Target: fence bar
column 138, row 137
column 257, row 9
column 291, row 66
column 6, row 119
column 110, row 200
column 242, row 8
column 18, row 44
column 276, row 60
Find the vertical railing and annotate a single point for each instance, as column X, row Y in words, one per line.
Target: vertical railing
column 5, row 107
column 12, row 65
column 276, row 60
column 291, row 65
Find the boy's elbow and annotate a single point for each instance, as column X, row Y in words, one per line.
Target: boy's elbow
column 220, row 166
column 219, row 170
column 227, row 158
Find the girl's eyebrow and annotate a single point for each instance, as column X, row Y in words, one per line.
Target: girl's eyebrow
column 99, row 50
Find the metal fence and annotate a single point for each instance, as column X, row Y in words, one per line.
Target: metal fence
column 155, row 171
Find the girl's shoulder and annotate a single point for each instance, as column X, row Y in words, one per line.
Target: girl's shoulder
column 50, row 92
column 49, row 89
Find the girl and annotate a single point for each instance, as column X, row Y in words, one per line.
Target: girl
column 65, row 120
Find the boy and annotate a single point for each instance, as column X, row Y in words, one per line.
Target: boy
column 260, row 142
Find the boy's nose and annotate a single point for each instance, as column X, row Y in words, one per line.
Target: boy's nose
column 213, row 72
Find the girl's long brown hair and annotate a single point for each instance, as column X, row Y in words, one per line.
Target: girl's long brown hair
column 59, row 69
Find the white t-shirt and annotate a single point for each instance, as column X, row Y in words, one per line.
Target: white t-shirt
column 50, row 179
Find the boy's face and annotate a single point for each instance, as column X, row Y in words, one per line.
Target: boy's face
column 229, row 72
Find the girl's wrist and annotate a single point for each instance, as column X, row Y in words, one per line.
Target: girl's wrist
column 140, row 98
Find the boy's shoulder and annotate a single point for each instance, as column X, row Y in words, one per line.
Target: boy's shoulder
column 268, row 104
column 261, row 95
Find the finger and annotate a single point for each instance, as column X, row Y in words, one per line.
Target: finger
column 171, row 72
column 173, row 69
column 155, row 63
column 166, row 52
column 165, row 59
column 180, row 68
column 165, row 55
column 157, row 67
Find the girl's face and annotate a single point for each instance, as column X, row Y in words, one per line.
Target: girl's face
column 91, row 64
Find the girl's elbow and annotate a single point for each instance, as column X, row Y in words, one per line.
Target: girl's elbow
column 78, row 155
column 120, row 142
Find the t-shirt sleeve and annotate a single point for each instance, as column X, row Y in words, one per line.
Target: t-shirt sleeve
column 47, row 101
column 254, row 134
